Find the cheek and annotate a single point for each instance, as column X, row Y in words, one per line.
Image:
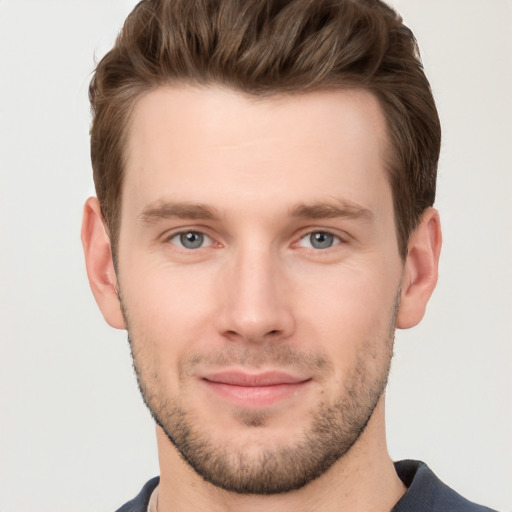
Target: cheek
column 168, row 311
column 348, row 295
column 349, row 313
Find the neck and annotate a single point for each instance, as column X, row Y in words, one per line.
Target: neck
column 364, row 479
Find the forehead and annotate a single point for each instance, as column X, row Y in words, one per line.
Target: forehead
column 214, row 144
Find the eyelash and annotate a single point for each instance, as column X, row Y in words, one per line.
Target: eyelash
column 188, row 232
column 336, row 240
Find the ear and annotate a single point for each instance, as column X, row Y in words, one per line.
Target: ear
column 100, row 265
column 421, row 269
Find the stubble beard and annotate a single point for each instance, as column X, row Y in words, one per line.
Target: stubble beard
column 334, row 428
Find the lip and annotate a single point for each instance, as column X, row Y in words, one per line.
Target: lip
column 254, row 389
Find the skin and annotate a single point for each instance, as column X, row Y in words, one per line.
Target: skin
column 257, row 178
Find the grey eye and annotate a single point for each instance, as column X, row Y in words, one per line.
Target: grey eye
column 191, row 239
column 321, row 240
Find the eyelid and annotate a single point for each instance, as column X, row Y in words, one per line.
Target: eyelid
column 337, row 240
column 172, row 234
column 340, row 237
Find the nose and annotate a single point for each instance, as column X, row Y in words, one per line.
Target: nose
column 255, row 299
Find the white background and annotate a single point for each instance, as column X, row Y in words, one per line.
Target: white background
column 74, row 435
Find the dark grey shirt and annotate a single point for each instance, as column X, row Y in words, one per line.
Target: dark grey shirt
column 425, row 493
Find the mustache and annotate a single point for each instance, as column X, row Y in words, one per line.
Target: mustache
column 266, row 355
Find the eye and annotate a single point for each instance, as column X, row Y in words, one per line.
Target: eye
column 190, row 240
column 319, row 240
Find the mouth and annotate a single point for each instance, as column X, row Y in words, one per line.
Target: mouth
column 254, row 390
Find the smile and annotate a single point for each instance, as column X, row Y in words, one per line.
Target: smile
column 254, row 390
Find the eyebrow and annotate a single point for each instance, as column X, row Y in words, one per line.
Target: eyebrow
column 342, row 208
column 162, row 210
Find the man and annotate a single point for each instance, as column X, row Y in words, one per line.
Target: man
column 265, row 174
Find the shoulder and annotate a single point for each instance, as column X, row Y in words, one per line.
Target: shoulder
column 426, row 493
column 140, row 502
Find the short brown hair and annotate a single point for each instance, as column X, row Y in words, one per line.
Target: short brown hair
column 266, row 47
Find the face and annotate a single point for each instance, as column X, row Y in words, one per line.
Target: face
column 259, row 275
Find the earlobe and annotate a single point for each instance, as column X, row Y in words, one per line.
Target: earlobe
column 99, row 264
column 421, row 269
